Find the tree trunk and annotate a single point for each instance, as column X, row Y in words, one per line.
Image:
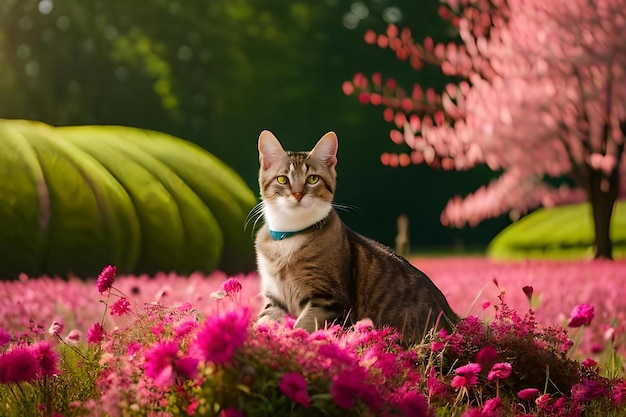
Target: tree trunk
column 602, row 194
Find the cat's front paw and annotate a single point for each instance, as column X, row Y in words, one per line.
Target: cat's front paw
column 314, row 318
column 307, row 323
column 271, row 313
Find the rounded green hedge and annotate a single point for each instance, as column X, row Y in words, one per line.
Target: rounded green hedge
column 563, row 232
column 74, row 199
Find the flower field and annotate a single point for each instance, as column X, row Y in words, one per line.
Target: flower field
column 171, row 345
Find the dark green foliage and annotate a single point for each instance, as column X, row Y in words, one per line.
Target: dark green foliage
column 219, row 72
column 74, row 199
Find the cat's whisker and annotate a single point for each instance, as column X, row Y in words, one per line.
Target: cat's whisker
column 259, row 218
column 345, row 207
column 254, row 214
column 254, row 226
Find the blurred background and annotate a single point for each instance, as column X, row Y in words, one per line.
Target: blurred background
column 218, row 72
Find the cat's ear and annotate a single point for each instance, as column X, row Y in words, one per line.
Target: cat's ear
column 326, row 149
column 270, row 149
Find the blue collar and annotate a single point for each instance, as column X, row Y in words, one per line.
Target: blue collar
column 283, row 235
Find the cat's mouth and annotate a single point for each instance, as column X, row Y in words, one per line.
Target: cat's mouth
column 303, row 202
column 299, row 200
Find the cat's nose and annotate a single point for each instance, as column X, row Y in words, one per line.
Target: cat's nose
column 297, row 195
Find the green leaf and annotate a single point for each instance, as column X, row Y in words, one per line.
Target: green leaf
column 23, row 205
column 74, row 199
column 561, row 232
column 179, row 231
column 218, row 186
column 77, row 224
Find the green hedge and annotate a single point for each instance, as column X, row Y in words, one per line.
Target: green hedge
column 74, row 199
column 560, row 232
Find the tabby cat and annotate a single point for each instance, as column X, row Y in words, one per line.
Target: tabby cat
column 316, row 269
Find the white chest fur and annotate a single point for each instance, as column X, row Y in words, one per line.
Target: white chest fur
column 283, row 215
column 276, row 256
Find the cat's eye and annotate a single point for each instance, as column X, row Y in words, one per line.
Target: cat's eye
column 312, row 179
column 281, row 179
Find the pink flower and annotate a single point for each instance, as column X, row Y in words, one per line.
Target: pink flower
column 231, row 286
column 473, row 330
column 588, row 389
column 528, row 290
column 609, row 334
column 437, row 346
column 487, row 356
column 435, row 386
column 364, row 97
column 466, row 376
column 596, row 347
column 581, row 315
column 294, row 386
column 186, row 367
column 56, row 328
column 492, row 407
column 231, row 412
column 473, row 412
column 3, row 369
column 221, row 335
column 414, row 405
column 618, row 393
column 73, row 337
column 4, row 337
column 459, row 382
column 120, row 307
column 349, row 386
column 106, row 278
column 543, row 402
column 163, row 364
column 36, row 328
column 335, row 353
column 528, row 393
column 589, row 363
column 47, row 358
column 184, row 328
column 20, row 364
column 194, row 403
column 500, row 370
column 158, row 329
column 469, row 369
column 94, row 334
column 132, row 348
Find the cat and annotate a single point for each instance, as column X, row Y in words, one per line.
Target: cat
column 316, row 269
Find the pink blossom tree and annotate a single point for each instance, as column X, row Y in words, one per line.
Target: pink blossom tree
column 538, row 92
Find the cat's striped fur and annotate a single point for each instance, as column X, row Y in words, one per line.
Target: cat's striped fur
column 327, row 273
